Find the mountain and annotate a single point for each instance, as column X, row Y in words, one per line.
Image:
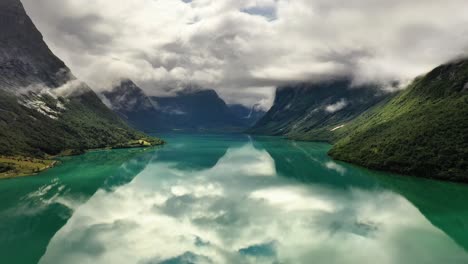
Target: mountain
column 442, row 204
column 134, row 106
column 191, row 110
column 248, row 115
column 44, row 109
column 317, row 111
column 197, row 110
column 423, row 131
column 128, row 97
column 24, row 57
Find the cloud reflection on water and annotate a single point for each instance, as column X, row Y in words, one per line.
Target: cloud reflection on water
column 232, row 213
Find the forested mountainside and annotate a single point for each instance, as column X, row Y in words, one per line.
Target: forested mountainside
column 423, row 131
column 44, row 109
column 317, row 111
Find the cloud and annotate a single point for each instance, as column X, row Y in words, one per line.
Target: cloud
column 336, row 167
column 229, row 213
column 245, row 48
column 338, row 106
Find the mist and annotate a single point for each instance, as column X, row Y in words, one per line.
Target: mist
column 244, row 49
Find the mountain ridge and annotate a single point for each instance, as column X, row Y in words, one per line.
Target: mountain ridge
column 189, row 110
column 45, row 110
column 317, row 111
column 421, row 132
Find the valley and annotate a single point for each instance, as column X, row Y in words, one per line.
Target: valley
column 228, row 199
column 419, row 131
column 193, row 110
column 244, row 132
column 45, row 110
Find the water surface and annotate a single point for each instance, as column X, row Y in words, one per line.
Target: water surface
column 229, row 199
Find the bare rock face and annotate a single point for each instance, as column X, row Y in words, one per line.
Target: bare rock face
column 192, row 110
column 314, row 111
column 128, row 97
column 25, row 58
column 44, row 109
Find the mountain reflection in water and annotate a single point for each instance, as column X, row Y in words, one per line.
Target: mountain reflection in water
column 237, row 199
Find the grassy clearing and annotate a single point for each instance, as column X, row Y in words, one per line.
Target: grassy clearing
column 140, row 143
column 11, row 167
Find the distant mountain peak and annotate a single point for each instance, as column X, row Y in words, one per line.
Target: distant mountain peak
column 248, row 114
column 127, row 96
column 196, row 90
column 313, row 110
column 45, row 109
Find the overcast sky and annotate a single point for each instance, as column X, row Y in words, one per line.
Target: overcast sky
column 243, row 48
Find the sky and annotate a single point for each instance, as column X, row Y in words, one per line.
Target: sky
column 245, row 48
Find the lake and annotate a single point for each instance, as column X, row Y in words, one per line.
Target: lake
column 229, row 199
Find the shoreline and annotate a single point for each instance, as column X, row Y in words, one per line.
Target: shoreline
column 26, row 166
column 372, row 168
column 23, row 166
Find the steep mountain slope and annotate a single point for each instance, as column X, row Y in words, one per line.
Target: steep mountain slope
column 197, row 110
column 423, row 131
column 44, row 110
column 127, row 97
column 316, row 111
column 248, row 116
column 24, row 57
column 190, row 110
column 133, row 106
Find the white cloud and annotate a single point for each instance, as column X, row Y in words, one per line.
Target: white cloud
column 338, row 106
column 166, row 211
column 237, row 46
column 336, row 167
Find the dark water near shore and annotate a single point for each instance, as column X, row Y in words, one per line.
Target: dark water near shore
column 229, row 199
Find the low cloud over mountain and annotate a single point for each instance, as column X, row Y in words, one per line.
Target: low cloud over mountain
column 245, row 48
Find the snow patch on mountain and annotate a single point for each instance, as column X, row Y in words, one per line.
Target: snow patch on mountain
column 49, row 101
column 41, row 107
column 336, row 128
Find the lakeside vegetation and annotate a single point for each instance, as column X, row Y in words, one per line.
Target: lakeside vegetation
column 21, row 166
column 421, row 132
column 11, row 167
column 35, row 138
column 140, row 143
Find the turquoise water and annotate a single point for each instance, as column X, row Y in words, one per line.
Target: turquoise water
column 229, row 199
